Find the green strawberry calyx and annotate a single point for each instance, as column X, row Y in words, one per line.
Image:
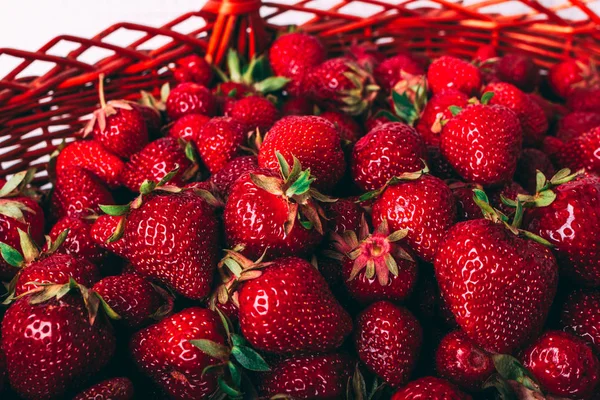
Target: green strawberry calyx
column 512, row 380
column 17, row 186
column 407, row 176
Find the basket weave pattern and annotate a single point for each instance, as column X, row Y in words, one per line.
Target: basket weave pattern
column 38, row 112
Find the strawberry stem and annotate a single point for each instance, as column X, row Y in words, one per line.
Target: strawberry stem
column 101, row 91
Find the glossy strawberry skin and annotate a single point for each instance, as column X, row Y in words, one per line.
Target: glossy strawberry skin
column 474, row 266
column 289, row 309
column 313, row 140
column 466, row 208
column 430, row 388
column 563, row 76
column 153, row 162
column 580, row 152
column 190, row 98
column 530, row 161
column 580, row 315
column 437, row 109
column 93, row 157
column 125, row 132
column 460, row 361
column 218, row 141
column 450, row 72
column 229, row 174
column 171, row 237
column 163, row 352
column 349, row 129
column 386, row 152
column 76, row 192
column 319, row 377
column 131, row 296
column 110, row 389
column 292, row 56
column 577, row 123
column 79, row 242
column 193, row 68
column 572, row 224
column 391, row 70
column 425, row 207
column 56, row 268
column 584, row 99
column 51, row 347
column 563, row 364
column 344, row 215
column 518, row 70
column 388, row 340
column 483, row 143
column 188, row 126
column 254, row 112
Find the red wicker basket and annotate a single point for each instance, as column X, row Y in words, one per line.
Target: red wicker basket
column 38, row 112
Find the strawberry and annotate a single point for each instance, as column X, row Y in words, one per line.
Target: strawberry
column 18, row 212
column 482, row 143
column 134, row 298
column 388, row 340
column 375, row 267
column 118, row 125
column 518, row 70
column 576, row 123
column 344, row 215
column 366, row 54
column 430, row 388
column 580, row 316
column 466, row 208
column 530, row 161
column 172, row 237
column 155, row 161
column 188, row 126
column 254, row 112
column 584, row 99
column 436, row 113
column 566, row 75
column 318, row 377
column 460, row 361
column 485, row 52
column 289, row 309
column 582, row 151
column 440, row 167
column 93, row 157
column 229, row 174
column 387, row 151
column 218, row 142
column 533, row 120
column 77, row 193
column 110, row 389
column 509, row 191
column 564, row 365
column 424, row 206
column 349, row 130
column 292, row 56
column 193, row 68
column 297, row 106
column 342, row 84
column 53, row 342
column 450, row 72
column 570, row 223
column 278, row 214
column 498, row 285
column 79, row 242
column 313, row 140
column 396, row 68
column 163, row 351
column 190, row 98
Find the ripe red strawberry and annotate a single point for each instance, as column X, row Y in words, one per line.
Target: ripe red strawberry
column 318, row 377
column 341, row 83
column 297, row 106
column 2, row 368
column 485, row 52
column 386, row 152
column 450, row 72
column 289, row 309
column 430, row 388
column 518, row 70
column 483, row 143
column 349, row 129
column 190, row 98
column 193, row 68
column 466, row 208
column 188, row 126
column 460, row 361
column 580, row 315
column 564, row 365
column 436, row 112
column 229, row 91
column 367, row 55
column 344, row 215
column 530, row 161
column 396, row 68
column 93, row 157
column 566, row 75
column 254, row 112
column 572, row 224
column 163, row 351
column 532, row 117
column 584, row 99
column 110, row 389
column 576, row 123
column 579, row 152
column 498, row 286
column 388, row 340
column 77, row 192
column 155, row 161
column 313, row 140
column 424, row 206
column 134, row 298
column 292, row 56
column 508, row 191
column 171, row 237
column 218, row 142
column 440, row 167
column 229, row 174
column 54, row 344
column 79, row 242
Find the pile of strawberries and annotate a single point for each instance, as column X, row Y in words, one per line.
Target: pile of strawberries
column 303, row 227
